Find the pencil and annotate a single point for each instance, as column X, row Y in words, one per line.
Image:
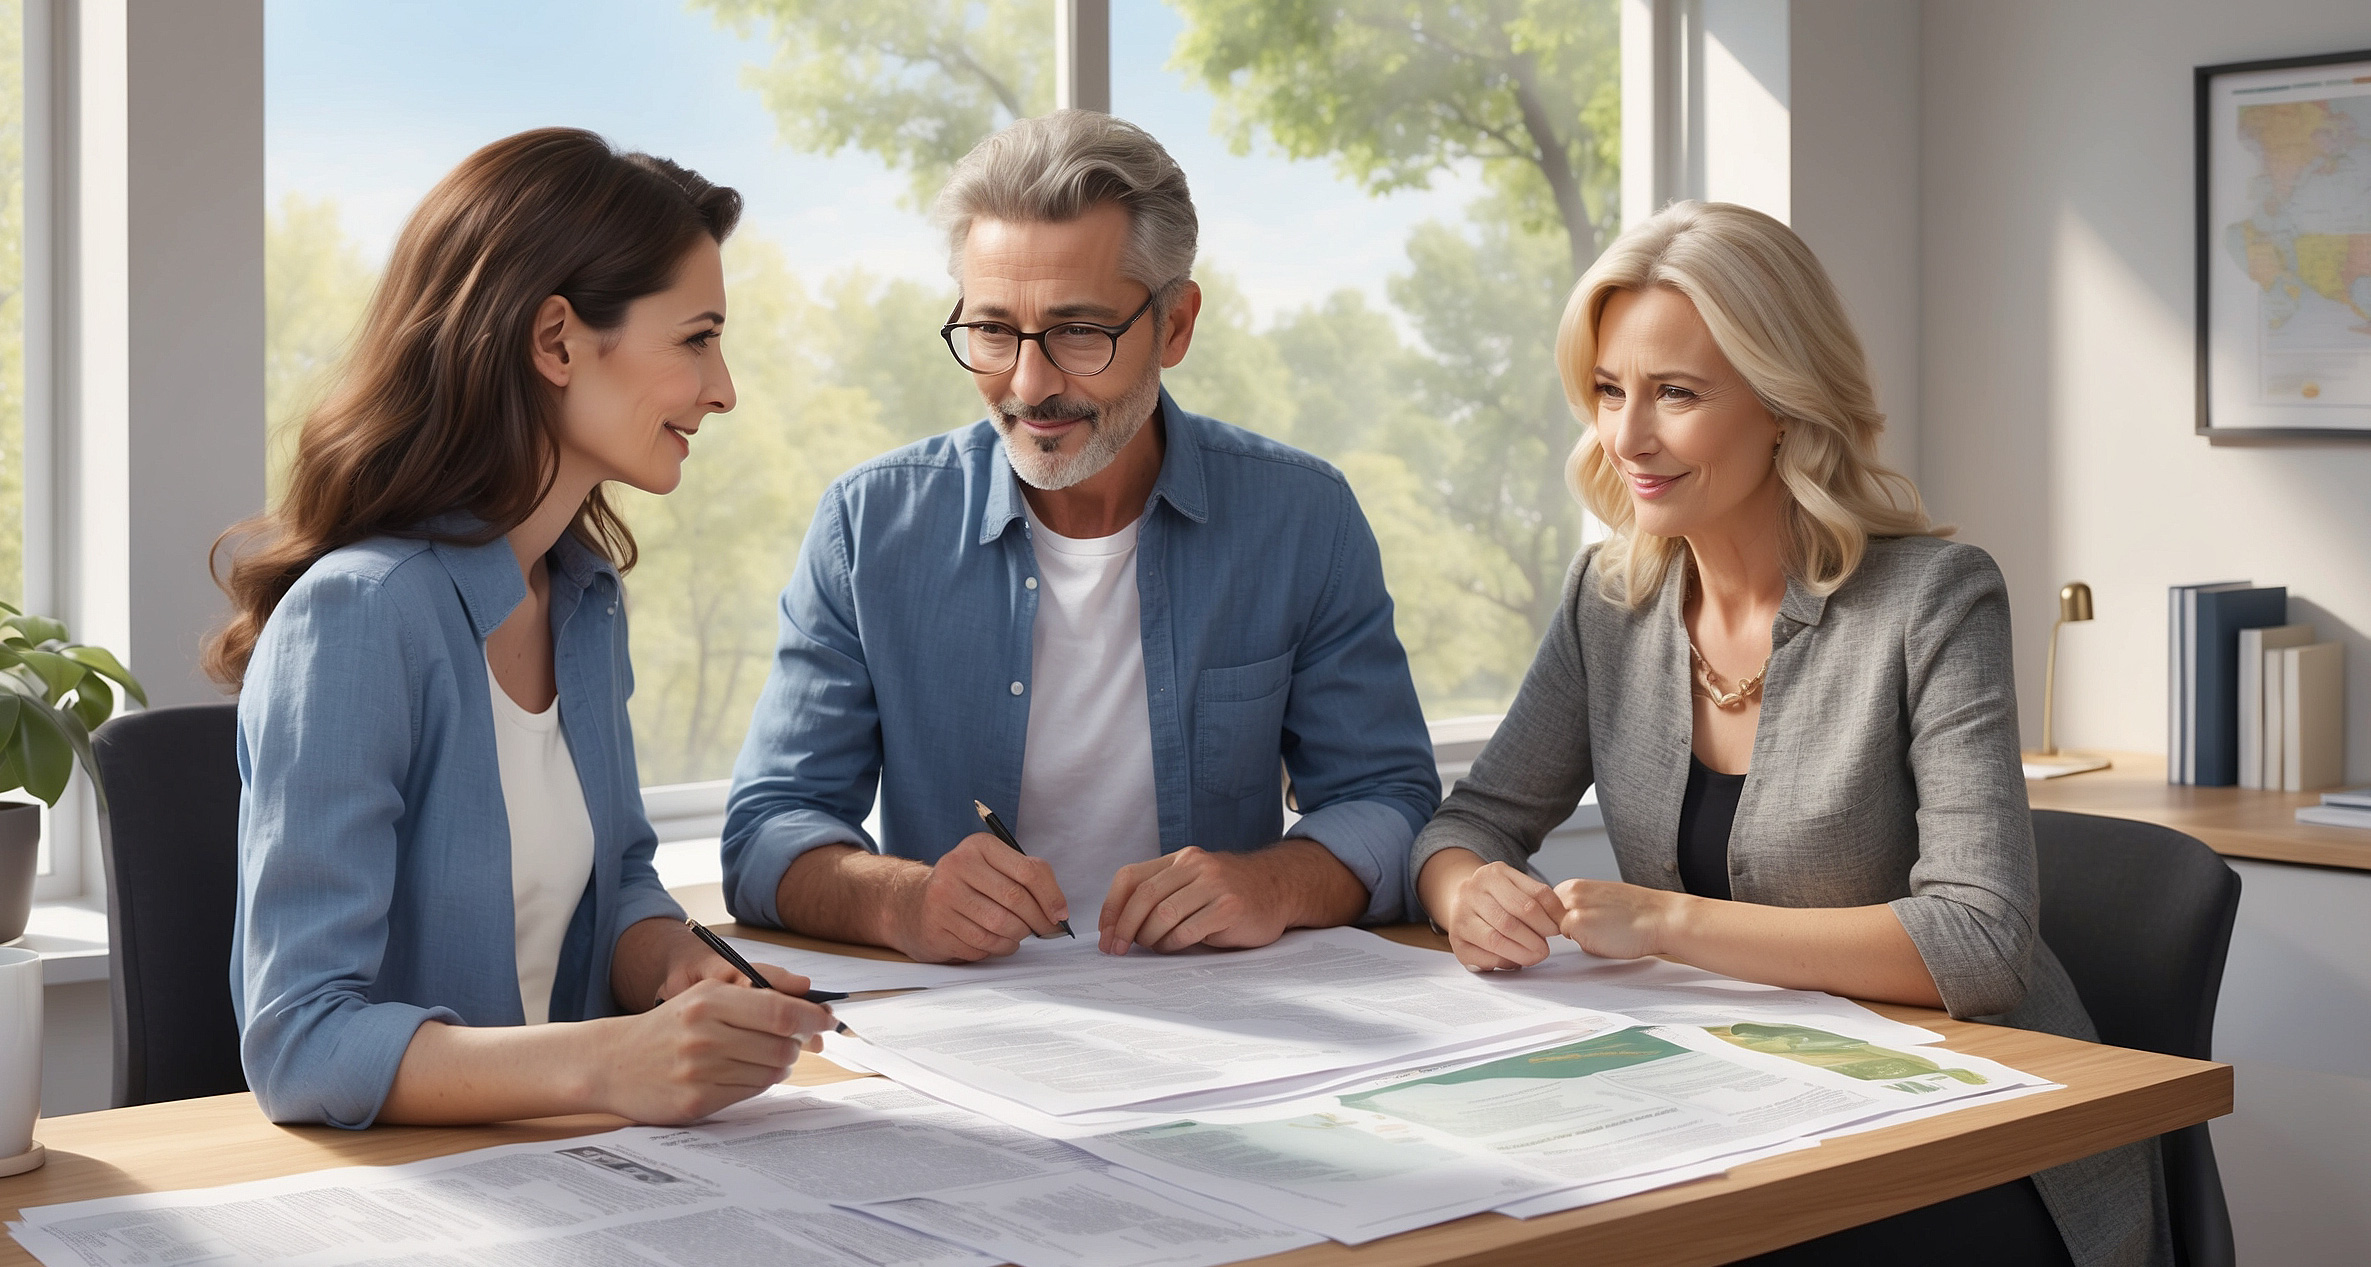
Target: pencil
column 733, row 957
column 997, row 829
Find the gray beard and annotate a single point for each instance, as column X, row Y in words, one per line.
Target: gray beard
column 1041, row 465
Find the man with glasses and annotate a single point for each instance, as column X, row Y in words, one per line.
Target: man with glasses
column 1120, row 625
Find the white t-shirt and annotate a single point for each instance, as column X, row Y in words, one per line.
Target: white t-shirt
column 551, row 839
column 1087, row 800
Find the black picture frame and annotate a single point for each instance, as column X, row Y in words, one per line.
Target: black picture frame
column 2203, row 85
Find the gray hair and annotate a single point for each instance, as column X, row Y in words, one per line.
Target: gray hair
column 1055, row 167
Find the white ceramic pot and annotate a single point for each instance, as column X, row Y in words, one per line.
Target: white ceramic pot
column 20, row 1055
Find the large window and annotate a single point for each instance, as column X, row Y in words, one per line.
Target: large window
column 1394, row 206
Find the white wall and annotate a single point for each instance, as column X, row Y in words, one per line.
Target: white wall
column 2056, row 218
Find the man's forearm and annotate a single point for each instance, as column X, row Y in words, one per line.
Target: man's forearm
column 844, row 893
column 1318, row 888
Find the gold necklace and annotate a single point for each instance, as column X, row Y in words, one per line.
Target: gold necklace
column 1709, row 686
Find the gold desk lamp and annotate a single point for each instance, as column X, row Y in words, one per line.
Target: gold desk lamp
column 2074, row 604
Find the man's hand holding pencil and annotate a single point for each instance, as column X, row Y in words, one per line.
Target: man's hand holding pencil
column 979, row 901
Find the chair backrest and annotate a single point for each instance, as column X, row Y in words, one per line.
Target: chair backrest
column 170, row 835
column 2141, row 917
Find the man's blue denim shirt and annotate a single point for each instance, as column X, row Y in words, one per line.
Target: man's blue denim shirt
column 905, row 664
column 374, row 848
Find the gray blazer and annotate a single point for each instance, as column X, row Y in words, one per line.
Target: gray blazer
column 1885, row 769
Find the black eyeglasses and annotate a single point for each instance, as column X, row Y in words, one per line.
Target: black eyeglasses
column 1075, row 347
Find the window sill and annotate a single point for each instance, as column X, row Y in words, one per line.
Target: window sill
column 71, row 938
column 686, row 811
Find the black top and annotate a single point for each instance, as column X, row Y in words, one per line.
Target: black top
column 1706, row 811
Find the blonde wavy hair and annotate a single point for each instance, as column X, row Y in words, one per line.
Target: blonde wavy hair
column 1776, row 316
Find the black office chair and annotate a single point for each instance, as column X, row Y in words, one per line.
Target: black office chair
column 170, row 835
column 2141, row 917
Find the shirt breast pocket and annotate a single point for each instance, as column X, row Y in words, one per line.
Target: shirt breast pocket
column 1238, row 722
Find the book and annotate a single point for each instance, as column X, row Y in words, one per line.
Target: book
column 2334, row 816
column 2350, row 798
column 2180, row 676
column 2276, row 714
column 2254, row 770
column 2220, row 612
column 2313, row 722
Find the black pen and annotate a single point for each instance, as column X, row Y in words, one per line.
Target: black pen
column 733, row 957
column 996, row 828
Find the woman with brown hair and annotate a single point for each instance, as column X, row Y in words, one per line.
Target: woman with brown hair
column 442, row 842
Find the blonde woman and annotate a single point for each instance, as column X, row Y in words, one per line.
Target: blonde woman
column 1794, row 699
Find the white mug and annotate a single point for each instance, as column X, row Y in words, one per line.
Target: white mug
column 20, row 1050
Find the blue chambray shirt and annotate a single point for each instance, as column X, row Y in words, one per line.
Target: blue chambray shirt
column 374, row 847
column 905, row 662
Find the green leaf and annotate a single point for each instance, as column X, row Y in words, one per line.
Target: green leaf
column 22, row 680
column 105, row 662
column 94, row 701
column 41, row 628
column 79, row 739
column 57, row 672
column 12, row 755
column 11, row 609
column 48, row 755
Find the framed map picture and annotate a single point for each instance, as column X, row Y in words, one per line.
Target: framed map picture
column 2284, row 249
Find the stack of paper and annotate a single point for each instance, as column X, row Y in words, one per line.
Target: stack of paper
column 1067, row 1109
column 1124, row 1040
column 862, row 1177
column 2348, row 808
column 1547, row 1127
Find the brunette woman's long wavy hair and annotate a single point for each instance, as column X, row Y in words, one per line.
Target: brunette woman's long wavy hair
column 438, row 406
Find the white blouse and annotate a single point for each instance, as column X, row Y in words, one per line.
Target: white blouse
column 551, row 839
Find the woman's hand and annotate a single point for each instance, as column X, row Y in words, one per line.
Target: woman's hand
column 1618, row 921
column 717, row 1042
column 1496, row 916
column 696, row 963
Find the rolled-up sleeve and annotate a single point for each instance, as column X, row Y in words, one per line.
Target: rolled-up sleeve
column 1355, row 742
column 326, row 732
column 811, row 763
column 1974, row 901
column 1530, row 776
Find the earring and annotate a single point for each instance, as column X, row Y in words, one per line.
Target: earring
column 1774, row 447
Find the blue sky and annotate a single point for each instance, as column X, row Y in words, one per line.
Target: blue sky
column 369, row 102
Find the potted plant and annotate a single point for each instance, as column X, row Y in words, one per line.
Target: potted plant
column 53, row 694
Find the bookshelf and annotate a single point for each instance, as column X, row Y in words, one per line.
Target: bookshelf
column 2236, row 822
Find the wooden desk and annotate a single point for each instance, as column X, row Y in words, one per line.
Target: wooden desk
column 2112, row 1097
column 2237, row 822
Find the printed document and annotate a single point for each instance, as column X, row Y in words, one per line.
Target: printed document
column 789, row 1176
column 855, row 974
column 1095, row 1038
column 1659, row 992
column 1508, row 1132
column 613, row 1199
column 1093, row 1220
